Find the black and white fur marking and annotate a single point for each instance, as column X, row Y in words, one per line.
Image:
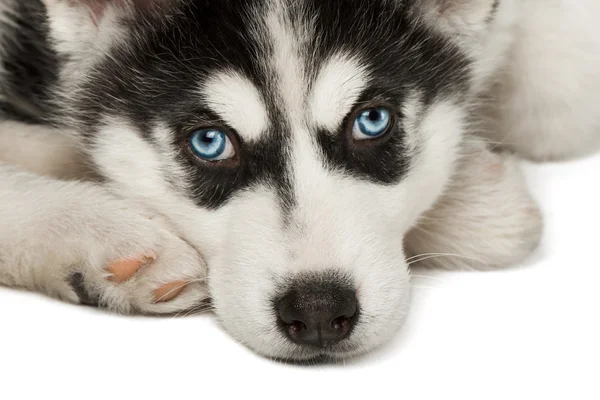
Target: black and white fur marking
column 98, row 99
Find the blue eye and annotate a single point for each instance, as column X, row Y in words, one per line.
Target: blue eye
column 212, row 145
column 372, row 123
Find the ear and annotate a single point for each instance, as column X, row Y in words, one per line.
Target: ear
column 463, row 19
column 78, row 27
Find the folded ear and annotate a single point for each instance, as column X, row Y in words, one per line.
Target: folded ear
column 81, row 26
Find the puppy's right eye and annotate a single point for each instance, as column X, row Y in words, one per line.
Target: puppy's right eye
column 212, row 145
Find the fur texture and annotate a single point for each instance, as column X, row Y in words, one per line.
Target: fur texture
column 95, row 159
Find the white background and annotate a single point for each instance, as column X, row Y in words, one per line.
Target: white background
column 531, row 332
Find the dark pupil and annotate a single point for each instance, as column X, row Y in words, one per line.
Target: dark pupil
column 208, row 137
column 374, row 115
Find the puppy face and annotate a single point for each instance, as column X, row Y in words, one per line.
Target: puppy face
column 293, row 143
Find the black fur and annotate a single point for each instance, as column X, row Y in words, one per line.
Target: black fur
column 77, row 282
column 30, row 65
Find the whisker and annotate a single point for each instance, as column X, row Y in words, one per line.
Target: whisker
column 194, row 310
column 409, row 259
column 198, row 311
column 184, row 284
column 169, row 292
column 176, row 288
column 434, row 255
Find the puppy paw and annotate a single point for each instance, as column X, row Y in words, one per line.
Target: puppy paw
column 165, row 275
column 107, row 253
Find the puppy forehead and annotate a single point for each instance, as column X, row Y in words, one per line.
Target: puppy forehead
column 237, row 101
column 274, row 71
column 339, row 82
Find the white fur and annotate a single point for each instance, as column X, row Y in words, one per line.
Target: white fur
column 237, row 101
column 545, row 100
column 536, row 82
column 84, row 36
column 58, row 228
column 336, row 90
column 486, row 217
column 41, row 150
column 286, row 60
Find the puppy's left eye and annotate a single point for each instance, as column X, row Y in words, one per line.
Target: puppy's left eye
column 211, row 145
column 372, row 123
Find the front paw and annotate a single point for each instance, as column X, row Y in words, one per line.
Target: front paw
column 108, row 254
column 165, row 276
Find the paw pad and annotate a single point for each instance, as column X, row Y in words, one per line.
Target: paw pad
column 169, row 291
column 122, row 270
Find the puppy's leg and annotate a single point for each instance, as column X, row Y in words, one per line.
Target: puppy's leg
column 75, row 241
column 487, row 218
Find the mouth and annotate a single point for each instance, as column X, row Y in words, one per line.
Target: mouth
column 322, row 358
column 331, row 354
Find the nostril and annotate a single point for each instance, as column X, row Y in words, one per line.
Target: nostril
column 296, row 327
column 341, row 323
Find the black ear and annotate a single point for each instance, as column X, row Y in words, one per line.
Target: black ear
column 81, row 26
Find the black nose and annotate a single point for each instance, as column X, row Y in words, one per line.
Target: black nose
column 318, row 314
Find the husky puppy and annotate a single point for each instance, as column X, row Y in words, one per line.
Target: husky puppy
column 286, row 159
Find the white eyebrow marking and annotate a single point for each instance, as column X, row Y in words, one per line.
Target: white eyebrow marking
column 337, row 88
column 237, row 101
